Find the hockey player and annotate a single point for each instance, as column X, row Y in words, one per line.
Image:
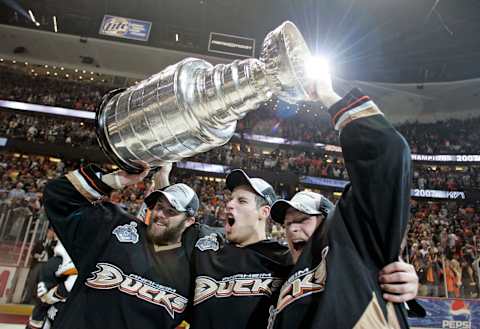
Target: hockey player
column 340, row 250
column 56, row 278
column 236, row 279
column 131, row 274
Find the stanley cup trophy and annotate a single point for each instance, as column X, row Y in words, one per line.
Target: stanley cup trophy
column 192, row 106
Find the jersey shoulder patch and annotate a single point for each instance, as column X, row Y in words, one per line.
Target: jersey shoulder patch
column 209, row 242
column 127, row 233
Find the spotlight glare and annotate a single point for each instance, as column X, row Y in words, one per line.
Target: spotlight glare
column 317, row 67
column 55, row 27
column 31, row 16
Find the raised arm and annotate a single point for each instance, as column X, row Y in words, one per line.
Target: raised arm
column 72, row 206
column 375, row 205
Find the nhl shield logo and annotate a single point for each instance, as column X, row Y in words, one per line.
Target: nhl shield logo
column 208, row 242
column 126, row 233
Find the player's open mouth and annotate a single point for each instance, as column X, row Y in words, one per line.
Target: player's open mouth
column 298, row 244
column 230, row 219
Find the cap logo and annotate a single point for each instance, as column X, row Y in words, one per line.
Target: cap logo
column 301, row 207
column 175, row 203
column 269, row 199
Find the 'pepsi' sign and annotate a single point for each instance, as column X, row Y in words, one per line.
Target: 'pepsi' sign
column 126, row 28
column 448, row 314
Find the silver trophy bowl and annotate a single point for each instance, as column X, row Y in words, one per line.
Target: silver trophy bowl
column 192, row 106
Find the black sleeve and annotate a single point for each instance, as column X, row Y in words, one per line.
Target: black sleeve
column 375, row 206
column 39, row 312
column 70, row 205
column 62, row 291
column 47, row 272
column 415, row 310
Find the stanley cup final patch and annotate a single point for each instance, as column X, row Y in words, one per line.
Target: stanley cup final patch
column 208, row 242
column 126, row 233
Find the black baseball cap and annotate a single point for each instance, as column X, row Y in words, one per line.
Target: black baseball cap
column 238, row 177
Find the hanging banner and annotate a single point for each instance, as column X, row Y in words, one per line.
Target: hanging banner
column 231, row 45
column 446, row 158
column 127, row 28
column 438, row 194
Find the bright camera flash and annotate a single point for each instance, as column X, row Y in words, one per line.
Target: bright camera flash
column 317, row 67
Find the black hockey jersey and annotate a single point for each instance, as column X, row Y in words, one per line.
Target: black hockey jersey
column 49, row 279
column 334, row 284
column 43, row 312
column 235, row 287
column 123, row 282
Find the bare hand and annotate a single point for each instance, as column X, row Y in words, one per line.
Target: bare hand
column 399, row 282
column 324, row 89
column 165, row 169
column 161, row 177
column 127, row 179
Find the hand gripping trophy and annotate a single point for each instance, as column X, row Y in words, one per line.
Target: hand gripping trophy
column 192, row 106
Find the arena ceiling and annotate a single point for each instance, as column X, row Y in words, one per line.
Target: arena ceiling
column 392, row 41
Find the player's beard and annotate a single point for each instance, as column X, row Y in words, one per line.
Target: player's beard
column 170, row 235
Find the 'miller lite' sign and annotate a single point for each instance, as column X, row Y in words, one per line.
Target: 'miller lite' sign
column 231, row 45
column 127, row 28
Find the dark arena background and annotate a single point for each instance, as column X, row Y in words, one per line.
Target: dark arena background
column 418, row 60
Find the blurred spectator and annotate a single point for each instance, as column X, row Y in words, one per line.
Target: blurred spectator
column 19, row 216
column 304, row 123
column 42, row 251
column 443, row 246
column 443, row 137
column 18, row 192
column 47, row 129
column 19, row 86
column 312, row 163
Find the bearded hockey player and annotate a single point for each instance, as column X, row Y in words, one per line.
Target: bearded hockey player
column 131, row 274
